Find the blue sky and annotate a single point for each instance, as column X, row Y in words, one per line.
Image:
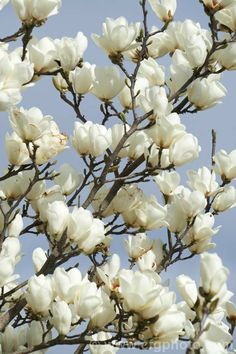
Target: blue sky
column 87, row 16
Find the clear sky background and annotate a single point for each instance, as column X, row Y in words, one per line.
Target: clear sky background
column 87, row 16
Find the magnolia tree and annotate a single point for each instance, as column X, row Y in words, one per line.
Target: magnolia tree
column 139, row 138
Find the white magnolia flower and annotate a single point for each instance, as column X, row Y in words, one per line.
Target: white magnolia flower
column 39, row 258
column 84, row 230
column 167, row 181
column 13, row 339
column 61, row 317
column 42, row 53
column 127, row 198
column 148, row 215
column 68, row 179
column 225, row 199
column 117, row 131
column 87, row 299
column 37, row 10
column 15, row 74
column 39, row 295
column 15, row 227
column 169, row 326
column 184, row 149
column 16, row 149
column 166, row 130
column 180, row 71
column 227, row 16
column 57, row 215
column 213, row 274
column 155, row 99
column 30, row 124
column 90, row 138
column 35, row 333
column 207, row 92
column 104, row 313
column 154, row 297
column 71, row 50
column 151, row 260
column 203, row 180
column 200, row 234
column 152, row 71
column 108, row 272
column 164, row 9
column 66, row 283
column 118, row 36
column 188, row 289
column 107, row 82
column 82, row 78
column 50, row 145
column 125, row 97
column 191, row 203
column 225, row 164
column 138, row 245
column 227, row 56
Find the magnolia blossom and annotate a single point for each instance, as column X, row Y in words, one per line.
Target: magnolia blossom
column 169, row 326
column 50, row 144
column 39, row 294
column 66, row 283
column 42, row 53
column 191, row 203
column 188, row 289
column 155, row 99
column 167, row 182
column 164, row 9
column 227, row 16
column 84, row 230
column 152, row 71
column 14, row 74
column 203, row 180
column 39, row 258
column 82, row 78
column 17, row 152
column 224, row 199
column 166, row 130
column 30, row 124
column 108, row 272
column 200, row 234
column 35, row 11
column 180, row 71
column 207, row 92
column 148, row 215
column 154, row 297
column 225, row 164
column 118, row 36
column 71, row 50
column 125, row 97
column 68, row 179
column 87, row 299
column 184, row 149
column 117, row 131
column 57, row 214
column 90, row 138
column 61, row 317
column 137, row 245
column 152, row 259
column 213, row 274
column 107, row 82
